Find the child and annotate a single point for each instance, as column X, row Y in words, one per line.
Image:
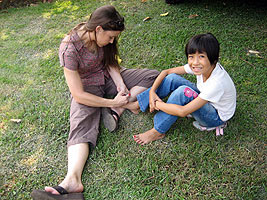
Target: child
column 211, row 103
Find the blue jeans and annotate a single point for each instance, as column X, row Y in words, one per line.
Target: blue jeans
column 182, row 92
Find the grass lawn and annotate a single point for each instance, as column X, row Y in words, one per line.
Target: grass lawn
column 187, row 163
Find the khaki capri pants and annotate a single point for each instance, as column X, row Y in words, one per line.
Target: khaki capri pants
column 85, row 120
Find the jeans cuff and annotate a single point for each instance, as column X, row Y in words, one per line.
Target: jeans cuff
column 158, row 129
column 140, row 103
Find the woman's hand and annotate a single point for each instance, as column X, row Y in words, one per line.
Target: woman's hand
column 121, row 99
column 122, row 88
column 116, row 77
column 153, row 97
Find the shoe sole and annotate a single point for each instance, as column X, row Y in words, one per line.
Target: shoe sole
column 109, row 121
column 202, row 128
column 43, row 195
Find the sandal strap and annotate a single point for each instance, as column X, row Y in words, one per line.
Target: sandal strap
column 60, row 190
column 114, row 113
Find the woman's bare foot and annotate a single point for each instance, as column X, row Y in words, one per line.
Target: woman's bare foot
column 70, row 185
column 148, row 136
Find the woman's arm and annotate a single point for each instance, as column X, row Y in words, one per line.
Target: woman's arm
column 116, row 77
column 76, row 88
column 181, row 111
column 153, row 97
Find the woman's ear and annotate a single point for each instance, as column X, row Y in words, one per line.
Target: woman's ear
column 99, row 29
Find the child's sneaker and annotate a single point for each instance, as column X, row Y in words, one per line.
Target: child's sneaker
column 219, row 129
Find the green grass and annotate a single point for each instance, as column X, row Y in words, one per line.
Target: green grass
column 186, row 164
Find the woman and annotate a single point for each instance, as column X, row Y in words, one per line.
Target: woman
column 88, row 55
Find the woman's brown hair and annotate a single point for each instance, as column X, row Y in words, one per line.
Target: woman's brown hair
column 110, row 20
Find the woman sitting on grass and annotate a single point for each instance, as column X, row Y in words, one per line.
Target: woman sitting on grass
column 211, row 103
column 88, row 54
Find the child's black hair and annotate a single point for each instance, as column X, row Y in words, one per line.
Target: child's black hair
column 204, row 43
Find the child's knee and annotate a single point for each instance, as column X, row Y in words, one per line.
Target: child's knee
column 185, row 91
column 172, row 77
column 189, row 92
column 179, row 92
column 178, row 96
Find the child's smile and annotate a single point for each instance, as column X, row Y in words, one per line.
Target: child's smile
column 200, row 64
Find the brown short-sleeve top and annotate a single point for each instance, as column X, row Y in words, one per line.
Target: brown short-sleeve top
column 75, row 56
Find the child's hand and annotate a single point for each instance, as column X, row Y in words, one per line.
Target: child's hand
column 153, row 97
column 156, row 107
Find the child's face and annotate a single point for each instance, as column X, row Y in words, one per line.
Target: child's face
column 200, row 64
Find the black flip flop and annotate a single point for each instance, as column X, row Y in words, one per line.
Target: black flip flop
column 110, row 122
column 63, row 195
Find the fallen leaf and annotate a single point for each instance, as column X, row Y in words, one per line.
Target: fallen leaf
column 146, row 19
column 16, row 120
column 253, row 52
column 258, row 56
column 164, row 14
column 193, row 16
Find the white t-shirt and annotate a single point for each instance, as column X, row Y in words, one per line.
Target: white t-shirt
column 219, row 90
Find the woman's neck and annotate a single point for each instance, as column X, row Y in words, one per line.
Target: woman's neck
column 89, row 39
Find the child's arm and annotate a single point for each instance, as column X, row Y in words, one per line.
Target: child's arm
column 153, row 97
column 178, row 110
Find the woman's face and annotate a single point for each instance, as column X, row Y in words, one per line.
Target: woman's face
column 103, row 37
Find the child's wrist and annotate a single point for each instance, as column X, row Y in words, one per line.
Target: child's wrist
column 151, row 91
column 157, row 104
